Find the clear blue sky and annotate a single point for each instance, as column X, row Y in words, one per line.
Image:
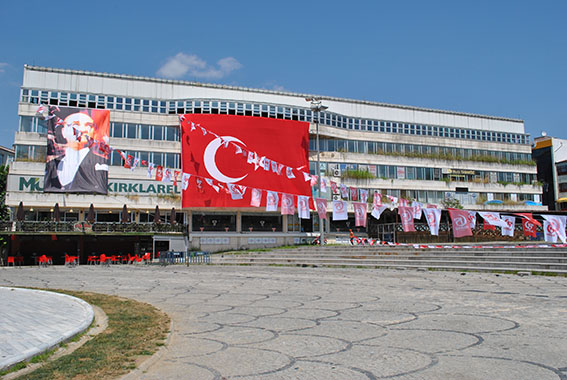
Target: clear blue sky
column 501, row 58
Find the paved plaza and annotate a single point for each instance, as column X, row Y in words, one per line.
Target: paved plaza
column 314, row 323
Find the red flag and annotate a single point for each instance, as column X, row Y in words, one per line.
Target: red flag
column 334, row 187
column 282, row 141
column 353, row 194
column 528, row 216
column 406, row 215
column 487, row 226
column 321, row 207
column 530, row 228
column 461, row 225
column 159, row 173
column 128, row 162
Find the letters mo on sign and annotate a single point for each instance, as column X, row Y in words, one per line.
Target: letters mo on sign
column 35, row 184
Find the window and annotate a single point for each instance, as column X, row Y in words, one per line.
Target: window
column 116, row 130
column 145, row 132
column 131, row 131
column 172, row 133
column 158, row 132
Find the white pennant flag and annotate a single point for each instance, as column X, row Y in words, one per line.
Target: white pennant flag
column 272, row 200
column 340, row 210
column 323, row 185
column 510, row 223
column 556, row 224
column 306, row 176
column 135, row 163
column 363, row 195
column 416, row 207
column 433, row 217
column 256, row 198
column 472, row 219
column 493, row 218
column 549, row 232
column 150, row 170
column 235, row 193
column 212, row 184
column 185, row 181
column 288, row 207
column 289, row 172
column 303, row 207
column 344, row 191
column 166, row 175
column 377, row 210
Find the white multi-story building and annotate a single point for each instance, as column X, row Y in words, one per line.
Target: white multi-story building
column 414, row 153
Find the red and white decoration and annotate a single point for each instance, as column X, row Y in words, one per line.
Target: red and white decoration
column 406, row 216
column 510, row 223
column 360, row 211
column 288, row 208
column 460, row 219
column 321, row 207
column 433, row 217
column 340, row 210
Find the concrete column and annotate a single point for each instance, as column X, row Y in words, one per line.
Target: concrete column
column 284, row 224
column 238, row 221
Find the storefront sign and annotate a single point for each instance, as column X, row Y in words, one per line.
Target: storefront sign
column 35, row 184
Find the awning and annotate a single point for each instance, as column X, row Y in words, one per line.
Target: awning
column 561, row 200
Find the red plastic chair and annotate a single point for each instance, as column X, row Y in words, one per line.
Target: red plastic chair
column 114, row 259
column 11, row 260
column 43, row 261
column 71, row 260
column 20, row 260
column 92, row 259
column 104, row 260
column 147, row 257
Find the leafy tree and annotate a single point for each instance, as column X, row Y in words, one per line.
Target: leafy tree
column 451, row 203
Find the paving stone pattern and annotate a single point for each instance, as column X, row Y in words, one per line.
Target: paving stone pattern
column 325, row 323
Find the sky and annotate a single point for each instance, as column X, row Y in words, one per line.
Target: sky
column 499, row 58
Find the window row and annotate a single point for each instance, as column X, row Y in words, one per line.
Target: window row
column 376, row 147
column 37, row 153
column 352, row 170
column 264, row 110
column 120, row 130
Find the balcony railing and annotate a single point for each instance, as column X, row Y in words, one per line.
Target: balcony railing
column 95, row 228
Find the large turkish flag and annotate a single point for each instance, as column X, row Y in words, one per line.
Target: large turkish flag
column 252, row 152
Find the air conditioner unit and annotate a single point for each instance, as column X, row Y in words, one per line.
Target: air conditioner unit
column 337, row 173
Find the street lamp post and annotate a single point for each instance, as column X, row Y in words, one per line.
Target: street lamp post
column 317, row 107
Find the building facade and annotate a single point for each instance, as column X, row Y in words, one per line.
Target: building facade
column 407, row 152
column 551, row 156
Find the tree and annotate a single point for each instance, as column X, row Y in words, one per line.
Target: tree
column 451, row 203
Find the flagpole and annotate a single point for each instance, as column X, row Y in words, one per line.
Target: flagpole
column 317, row 107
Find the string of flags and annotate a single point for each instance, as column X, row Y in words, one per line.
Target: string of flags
column 463, row 221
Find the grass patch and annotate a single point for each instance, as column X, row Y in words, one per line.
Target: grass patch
column 134, row 330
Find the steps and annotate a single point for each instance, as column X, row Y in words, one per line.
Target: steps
column 552, row 261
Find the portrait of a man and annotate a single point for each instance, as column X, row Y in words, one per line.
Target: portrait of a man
column 77, row 151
